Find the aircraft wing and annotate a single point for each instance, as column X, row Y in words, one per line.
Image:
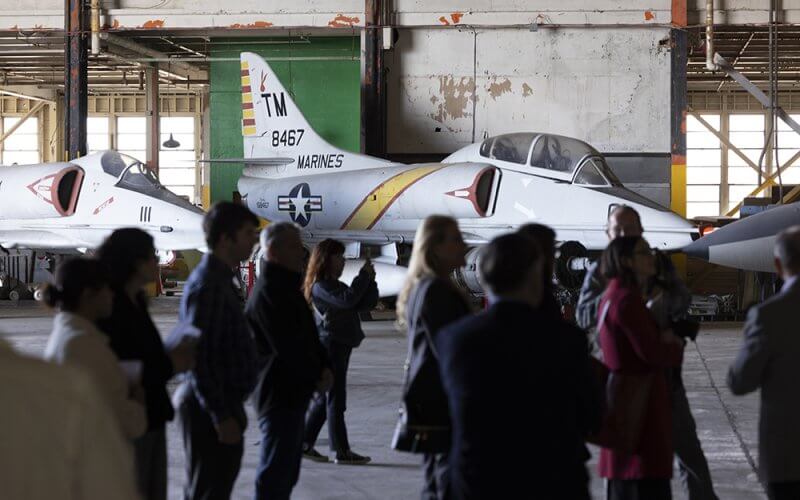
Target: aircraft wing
column 376, row 237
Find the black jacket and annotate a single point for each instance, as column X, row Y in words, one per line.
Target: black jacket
column 134, row 336
column 291, row 357
column 440, row 305
column 340, row 304
column 518, row 386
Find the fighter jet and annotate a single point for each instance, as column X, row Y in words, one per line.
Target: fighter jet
column 75, row 205
column 747, row 243
column 490, row 188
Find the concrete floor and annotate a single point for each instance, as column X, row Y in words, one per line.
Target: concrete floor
column 727, row 426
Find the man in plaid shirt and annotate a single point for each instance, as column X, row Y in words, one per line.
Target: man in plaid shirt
column 212, row 400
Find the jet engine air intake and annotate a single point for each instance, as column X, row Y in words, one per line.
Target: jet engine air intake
column 53, row 189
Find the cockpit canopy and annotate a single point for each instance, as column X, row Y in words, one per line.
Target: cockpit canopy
column 559, row 156
column 132, row 175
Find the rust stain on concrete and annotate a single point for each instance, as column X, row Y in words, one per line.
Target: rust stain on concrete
column 342, row 21
column 255, row 25
column 526, row 90
column 498, row 89
column 456, row 95
column 153, row 23
column 456, row 17
column 444, row 21
column 648, row 15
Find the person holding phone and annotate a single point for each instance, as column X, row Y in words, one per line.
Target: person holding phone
column 336, row 306
column 130, row 256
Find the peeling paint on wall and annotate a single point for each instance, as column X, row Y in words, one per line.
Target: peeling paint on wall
column 526, row 90
column 497, row 89
column 342, row 21
column 457, row 95
column 456, row 17
column 153, row 23
column 444, row 21
column 255, row 25
column 648, row 15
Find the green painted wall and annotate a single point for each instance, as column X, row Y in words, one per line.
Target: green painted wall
column 323, row 75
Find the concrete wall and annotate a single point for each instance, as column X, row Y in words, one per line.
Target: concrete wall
column 449, row 88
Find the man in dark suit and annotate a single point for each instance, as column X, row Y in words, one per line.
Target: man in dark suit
column 506, row 355
column 768, row 360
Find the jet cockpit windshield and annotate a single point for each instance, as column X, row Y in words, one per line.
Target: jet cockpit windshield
column 132, row 175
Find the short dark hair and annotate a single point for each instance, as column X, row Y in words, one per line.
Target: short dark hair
column 787, row 248
column 122, row 252
column 544, row 236
column 611, row 262
column 505, row 261
column 73, row 276
column 226, row 218
column 629, row 209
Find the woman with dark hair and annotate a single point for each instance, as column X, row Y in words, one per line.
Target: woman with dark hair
column 129, row 255
column 632, row 344
column 336, row 306
column 82, row 296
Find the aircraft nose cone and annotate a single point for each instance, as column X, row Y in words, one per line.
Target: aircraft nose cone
column 698, row 248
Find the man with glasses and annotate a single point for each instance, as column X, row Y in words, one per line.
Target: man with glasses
column 669, row 300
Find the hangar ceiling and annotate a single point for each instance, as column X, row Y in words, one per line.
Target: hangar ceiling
column 747, row 48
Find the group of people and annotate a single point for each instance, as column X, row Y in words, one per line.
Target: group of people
column 500, row 402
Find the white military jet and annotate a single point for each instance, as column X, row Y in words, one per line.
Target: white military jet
column 490, row 188
column 76, row 205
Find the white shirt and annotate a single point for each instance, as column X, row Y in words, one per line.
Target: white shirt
column 77, row 341
column 58, row 438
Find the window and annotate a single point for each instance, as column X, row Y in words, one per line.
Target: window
column 589, row 175
column 557, row 153
column 703, row 167
column 97, row 138
column 177, row 166
column 746, row 133
column 132, row 136
column 512, row 148
column 788, row 146
column 21, row 147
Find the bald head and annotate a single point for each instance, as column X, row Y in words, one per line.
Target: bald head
column 623, row 221
column 787, row 252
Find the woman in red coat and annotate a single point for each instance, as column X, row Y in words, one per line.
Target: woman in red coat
column 632, row 343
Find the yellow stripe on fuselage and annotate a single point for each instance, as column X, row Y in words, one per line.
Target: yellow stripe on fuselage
column 378, row 201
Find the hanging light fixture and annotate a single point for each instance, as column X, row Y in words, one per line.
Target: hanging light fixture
column 170, row 143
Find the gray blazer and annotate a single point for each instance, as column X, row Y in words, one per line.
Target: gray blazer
column 770, row 360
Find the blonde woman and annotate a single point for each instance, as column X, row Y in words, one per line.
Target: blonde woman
column 429, row 301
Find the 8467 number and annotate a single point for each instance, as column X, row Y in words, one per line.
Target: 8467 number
column 287, row 137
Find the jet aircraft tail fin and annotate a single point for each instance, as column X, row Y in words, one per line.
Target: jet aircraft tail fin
column 273, row 126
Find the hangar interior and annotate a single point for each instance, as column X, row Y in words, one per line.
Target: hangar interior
column 414, row 81
column 679, row 97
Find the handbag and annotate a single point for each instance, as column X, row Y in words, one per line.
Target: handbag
column 411, row 436
column 625, row 396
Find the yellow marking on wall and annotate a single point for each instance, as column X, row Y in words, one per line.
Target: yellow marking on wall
column 247, row 97
column 248, row 113
column 248, row 131
column 245, row 80
column 378, row 201
column 245, row 65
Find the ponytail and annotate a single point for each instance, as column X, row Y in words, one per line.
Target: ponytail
column 73, row 277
